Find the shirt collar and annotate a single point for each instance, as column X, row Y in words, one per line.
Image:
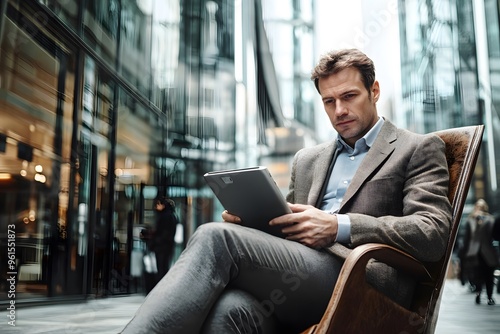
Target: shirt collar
column 368, row 139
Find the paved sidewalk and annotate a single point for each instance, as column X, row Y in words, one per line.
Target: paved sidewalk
column 98, row 316
column 458, row 314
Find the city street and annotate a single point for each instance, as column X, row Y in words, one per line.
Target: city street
column 459, row 314
column 99, row 316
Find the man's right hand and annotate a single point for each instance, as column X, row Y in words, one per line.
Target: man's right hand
column 230, row 218
column 308, row 225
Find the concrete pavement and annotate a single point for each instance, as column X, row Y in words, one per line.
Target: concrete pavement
column 98, row 316
column 458, row 314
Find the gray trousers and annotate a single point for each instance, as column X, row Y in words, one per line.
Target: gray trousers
column 232, row 279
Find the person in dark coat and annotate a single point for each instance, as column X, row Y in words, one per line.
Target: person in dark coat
column 162, row 240
column 496, row 236
column 159, row 240
column 480, row 253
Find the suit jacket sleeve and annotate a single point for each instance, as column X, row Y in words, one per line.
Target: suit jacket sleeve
column 420, row 226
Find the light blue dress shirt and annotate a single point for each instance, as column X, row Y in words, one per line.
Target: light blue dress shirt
column 345, row 166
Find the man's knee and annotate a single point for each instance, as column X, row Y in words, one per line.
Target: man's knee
column 216, row 232
column 217, row 239
column 212, row 230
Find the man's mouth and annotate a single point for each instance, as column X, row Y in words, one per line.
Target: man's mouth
column 344, row 123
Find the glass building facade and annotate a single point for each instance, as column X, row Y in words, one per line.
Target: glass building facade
column 290, row 30
column 104, row 106
column 450, row 71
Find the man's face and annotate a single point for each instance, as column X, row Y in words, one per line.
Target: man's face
column 350, row 107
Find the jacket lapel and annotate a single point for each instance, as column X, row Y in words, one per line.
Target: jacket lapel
column 322, row 170
column 378, row 153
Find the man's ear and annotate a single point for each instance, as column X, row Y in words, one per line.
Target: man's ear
column 375, row 91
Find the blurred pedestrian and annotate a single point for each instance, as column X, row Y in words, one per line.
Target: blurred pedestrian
column 481, row 257
column 496, row 237
column 159, row 242
column 162, row 240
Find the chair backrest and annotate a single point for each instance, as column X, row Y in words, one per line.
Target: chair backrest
column 462, row 150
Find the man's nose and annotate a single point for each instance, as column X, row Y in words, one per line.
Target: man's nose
column 340, row 108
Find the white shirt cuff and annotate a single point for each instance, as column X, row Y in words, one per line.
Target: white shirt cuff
column 344, row 231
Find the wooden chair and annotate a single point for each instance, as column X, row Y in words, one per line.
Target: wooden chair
column 356, row 307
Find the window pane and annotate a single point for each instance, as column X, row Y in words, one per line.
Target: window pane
column 100, row 24
column 36, row 108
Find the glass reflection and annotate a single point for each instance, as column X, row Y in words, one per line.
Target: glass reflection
column 36, row 98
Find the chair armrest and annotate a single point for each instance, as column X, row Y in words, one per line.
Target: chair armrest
column 389, row 255
column 352, row 292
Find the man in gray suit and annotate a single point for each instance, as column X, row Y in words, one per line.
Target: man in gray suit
column 373, row 183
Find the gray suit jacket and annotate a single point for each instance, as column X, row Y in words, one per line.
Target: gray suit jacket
column 397, row 197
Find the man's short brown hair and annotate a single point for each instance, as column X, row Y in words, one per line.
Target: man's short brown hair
column 338, row 60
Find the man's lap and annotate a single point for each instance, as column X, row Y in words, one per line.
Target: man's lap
column 289, row 280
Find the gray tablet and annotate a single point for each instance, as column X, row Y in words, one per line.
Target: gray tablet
column 251, row 194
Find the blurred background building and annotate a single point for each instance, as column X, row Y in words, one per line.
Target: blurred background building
column 105, row 105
